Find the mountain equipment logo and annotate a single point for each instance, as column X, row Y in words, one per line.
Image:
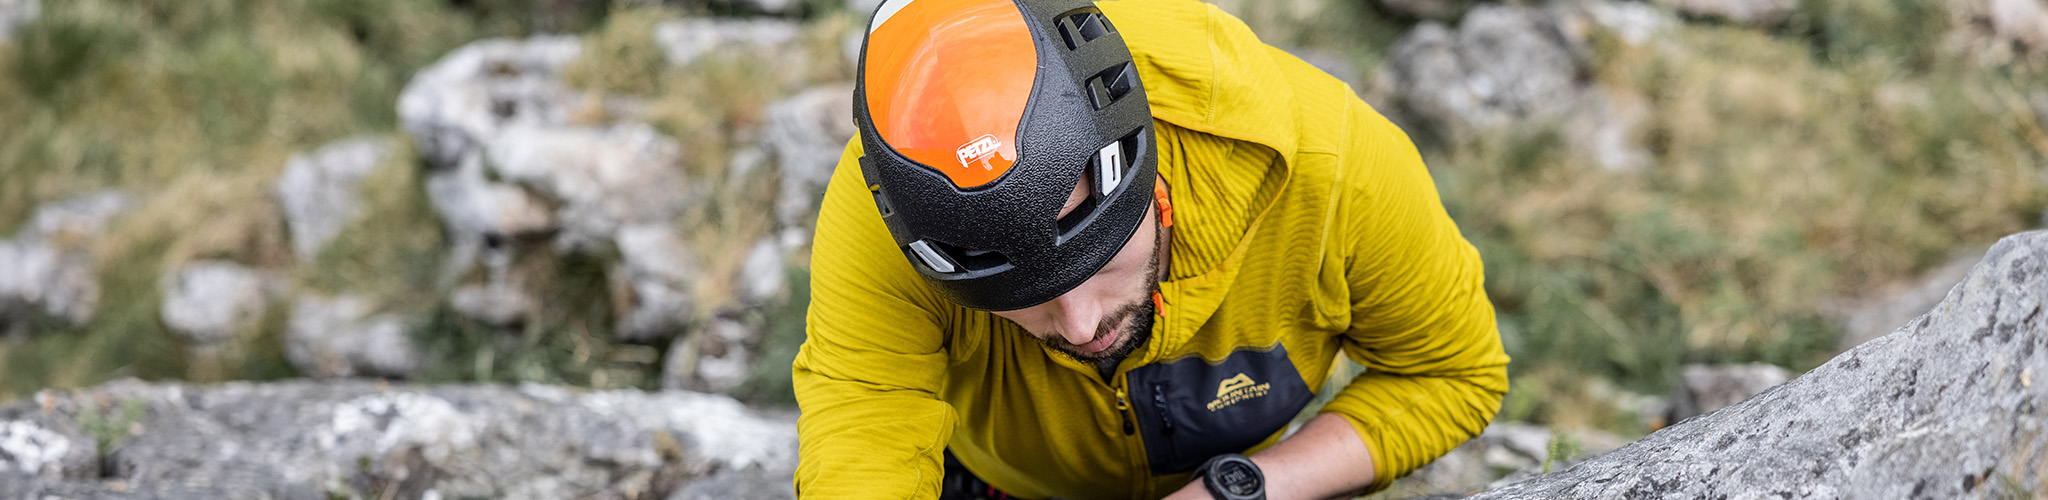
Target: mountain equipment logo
column 979, row 150
column 1236, row 389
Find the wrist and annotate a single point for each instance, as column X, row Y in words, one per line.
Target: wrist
column 1232, row 477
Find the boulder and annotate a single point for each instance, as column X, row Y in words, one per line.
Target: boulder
column 1887, row 306
column 781, row 7
column 1997, row 32
column 39, row 279
column 761, row 275
column 1760, row 13
column 47, row 268
column 1705, row 388
column 207, row 303
column 1432, row 10
column 1947, row 406
column 653, row 283
column 17, row 13
column 455, row 107
column 1504, row 449
column 684, row 40
column 599, row 178
column 364, row 439
column 807, row 133
column 496, row 303
column 341, row 337
column 716, row 358
column 318, row 190
column 1518, row 68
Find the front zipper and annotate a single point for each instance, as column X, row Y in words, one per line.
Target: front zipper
column 1123, row 408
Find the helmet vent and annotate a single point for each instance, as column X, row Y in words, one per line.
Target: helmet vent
column 1109, row 85
column 1083, row 26
column 947, row 259
column 924, row 252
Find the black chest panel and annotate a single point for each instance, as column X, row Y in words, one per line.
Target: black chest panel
column 1189, row 410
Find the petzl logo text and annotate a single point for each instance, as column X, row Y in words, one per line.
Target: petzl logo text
column 979, row 150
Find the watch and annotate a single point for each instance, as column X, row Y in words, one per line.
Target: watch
column 1231, row 476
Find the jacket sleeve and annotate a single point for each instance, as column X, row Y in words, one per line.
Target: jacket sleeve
column 1421, row 324
column 868, row 374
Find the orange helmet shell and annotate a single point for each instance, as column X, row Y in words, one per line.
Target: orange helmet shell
column 918, row 90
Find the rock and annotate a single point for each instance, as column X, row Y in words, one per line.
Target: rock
column 807, row 132
column 1761, row 13
column 863, row 9
column 39, row 279
column 654, row 283
column 1897, row 303
column 1703, row 388
column 318, row 191
column 1515, row 68
column 716, row 359
column 1947, row 406
column 1433, row 10
column 761, row 275
column 362, row 439
column 17, row 13
column 497, row 304
column 339, row 337
column 1998, row 32
column 1502, row 450
column 684, row 40
column 47, row 268
column 208, row 303
column 456, row 106
column 78, row 220
column 47, row 450
column 764, row 6
column 601, row 179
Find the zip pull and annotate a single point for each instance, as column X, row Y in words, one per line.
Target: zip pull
column 1123, row 409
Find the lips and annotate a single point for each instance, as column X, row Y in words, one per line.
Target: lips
column 1101, row 343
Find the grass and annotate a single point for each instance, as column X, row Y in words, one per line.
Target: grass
column 1846, row 149
column 1783, row 176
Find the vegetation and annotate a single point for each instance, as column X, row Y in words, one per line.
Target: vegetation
column 1793, row 167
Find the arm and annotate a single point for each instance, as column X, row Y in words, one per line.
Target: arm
column 867, row 376
column 1420, row 324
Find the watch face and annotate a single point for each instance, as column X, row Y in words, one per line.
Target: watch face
column 1238, row 478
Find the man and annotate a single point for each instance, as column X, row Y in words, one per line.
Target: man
column 1104, row 250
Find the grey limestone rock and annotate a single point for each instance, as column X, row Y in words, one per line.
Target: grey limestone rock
column 343, row 337
column 17, row 13
column 362, row 439
column 1947, row 406
column 318, row 190
column 601, row 178
column 1433, row 10
column 210, row 302
column 1502, row 450
column 1705, row 388
column 807, row 132
column 684, row 40
column 715, row 359
column 1762, row 13
column 1888, row 306
column 47, row 268
column 1519, row 68
column 654, row 282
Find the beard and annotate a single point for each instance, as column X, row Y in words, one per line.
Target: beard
column 1135, row 318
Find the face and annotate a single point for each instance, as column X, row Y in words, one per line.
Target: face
column 1110, row 315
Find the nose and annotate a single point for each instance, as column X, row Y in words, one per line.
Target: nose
column 1077, row 318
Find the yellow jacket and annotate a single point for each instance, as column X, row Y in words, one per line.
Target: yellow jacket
column 1305, row 225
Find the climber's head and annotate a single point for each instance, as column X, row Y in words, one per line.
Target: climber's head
column 1007, row 143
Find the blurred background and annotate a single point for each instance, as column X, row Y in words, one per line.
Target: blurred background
column 619, row 194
